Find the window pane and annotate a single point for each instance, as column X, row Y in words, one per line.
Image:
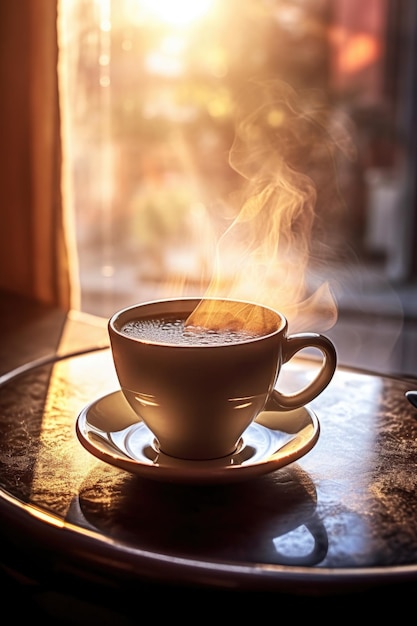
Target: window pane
column 268, row 136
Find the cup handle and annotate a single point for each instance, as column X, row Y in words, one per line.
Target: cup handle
column 292, row 345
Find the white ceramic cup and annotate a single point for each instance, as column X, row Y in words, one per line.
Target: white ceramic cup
column 199, row 399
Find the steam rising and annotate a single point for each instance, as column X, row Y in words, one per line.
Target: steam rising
column 286, row 144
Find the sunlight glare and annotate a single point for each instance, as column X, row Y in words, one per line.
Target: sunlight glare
column 178, row 13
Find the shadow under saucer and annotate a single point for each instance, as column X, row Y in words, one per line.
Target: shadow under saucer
column 271, row 519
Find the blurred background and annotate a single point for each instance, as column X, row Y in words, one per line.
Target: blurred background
column 156, row 94
column 264, row 149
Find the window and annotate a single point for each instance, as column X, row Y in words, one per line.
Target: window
column 166, row 146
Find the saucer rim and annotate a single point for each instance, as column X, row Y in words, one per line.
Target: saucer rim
column 192, row 472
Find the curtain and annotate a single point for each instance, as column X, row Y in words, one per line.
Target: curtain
column 36, row 252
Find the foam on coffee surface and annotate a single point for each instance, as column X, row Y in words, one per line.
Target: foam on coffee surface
column 175, row 331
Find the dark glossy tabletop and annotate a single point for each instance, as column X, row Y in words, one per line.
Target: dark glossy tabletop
column 341, row 520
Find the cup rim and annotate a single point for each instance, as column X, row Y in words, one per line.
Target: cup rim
column 127, row 312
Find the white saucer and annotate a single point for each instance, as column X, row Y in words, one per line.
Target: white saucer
column 109, row 429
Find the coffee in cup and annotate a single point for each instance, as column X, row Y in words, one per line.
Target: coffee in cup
column 198, row 371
